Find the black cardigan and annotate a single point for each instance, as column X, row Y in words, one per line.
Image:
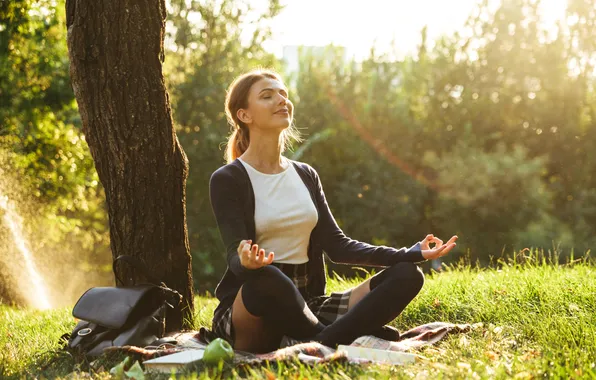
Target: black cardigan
column 233, row 203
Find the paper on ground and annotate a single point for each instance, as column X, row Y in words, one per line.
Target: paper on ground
column 378, row 356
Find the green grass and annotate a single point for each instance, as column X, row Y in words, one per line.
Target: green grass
column 538, row 320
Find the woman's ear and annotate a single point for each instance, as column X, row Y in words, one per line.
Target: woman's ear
column 243, row 116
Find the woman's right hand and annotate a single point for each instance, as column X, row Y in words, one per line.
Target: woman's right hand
column 251, row 257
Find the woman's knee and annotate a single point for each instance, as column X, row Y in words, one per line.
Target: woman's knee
column 261, row 289
column 273, row 275
column 418, row 276
column 413, row 272
column 269, row 280
column 408, row 272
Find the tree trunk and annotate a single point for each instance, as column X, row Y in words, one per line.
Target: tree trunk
column 116, row 53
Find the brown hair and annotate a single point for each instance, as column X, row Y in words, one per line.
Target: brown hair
column 237, row 98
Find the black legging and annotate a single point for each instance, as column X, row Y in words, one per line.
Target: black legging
column 272, row 296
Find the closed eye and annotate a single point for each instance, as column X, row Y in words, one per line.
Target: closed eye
column 267, row 93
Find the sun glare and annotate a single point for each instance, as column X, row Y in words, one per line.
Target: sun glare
column 389, row 25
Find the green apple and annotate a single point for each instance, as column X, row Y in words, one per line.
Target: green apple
column 217, row 351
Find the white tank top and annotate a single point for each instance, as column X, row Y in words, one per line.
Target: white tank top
column 285, row 214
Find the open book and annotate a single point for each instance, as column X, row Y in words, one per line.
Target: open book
column 174, row 362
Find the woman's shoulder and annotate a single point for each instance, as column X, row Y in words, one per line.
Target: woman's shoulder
column 308, row 174
column 304, row 167
column 233, row 171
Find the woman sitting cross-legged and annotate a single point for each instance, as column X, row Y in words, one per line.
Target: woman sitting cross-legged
column 275, row 223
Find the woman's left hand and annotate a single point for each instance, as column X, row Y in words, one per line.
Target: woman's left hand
column 439, row 248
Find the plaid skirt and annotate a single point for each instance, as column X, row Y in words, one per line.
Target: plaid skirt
column 326, row 308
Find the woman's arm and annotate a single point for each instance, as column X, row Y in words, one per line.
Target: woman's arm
column 342, row 249
column 228, row 209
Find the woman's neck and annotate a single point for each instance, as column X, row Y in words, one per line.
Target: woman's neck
column 264, row 153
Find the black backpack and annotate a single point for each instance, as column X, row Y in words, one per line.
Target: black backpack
column 121, row 316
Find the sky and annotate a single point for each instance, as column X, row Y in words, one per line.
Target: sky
column 357, row 25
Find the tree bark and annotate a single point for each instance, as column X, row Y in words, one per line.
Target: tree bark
column 116, row 54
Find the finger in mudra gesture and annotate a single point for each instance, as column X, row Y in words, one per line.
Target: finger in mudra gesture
column 251, row 257
column 439, row 249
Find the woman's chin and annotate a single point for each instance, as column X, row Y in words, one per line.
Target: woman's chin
column 281, row 126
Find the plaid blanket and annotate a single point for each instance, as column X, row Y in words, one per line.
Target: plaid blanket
column 311, row 352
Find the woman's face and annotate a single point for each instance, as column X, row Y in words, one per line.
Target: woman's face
column 268, row 106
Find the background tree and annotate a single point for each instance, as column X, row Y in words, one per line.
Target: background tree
column 46, row 169
column 116, row 74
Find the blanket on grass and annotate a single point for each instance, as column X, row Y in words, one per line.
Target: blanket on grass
column 308, row 353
